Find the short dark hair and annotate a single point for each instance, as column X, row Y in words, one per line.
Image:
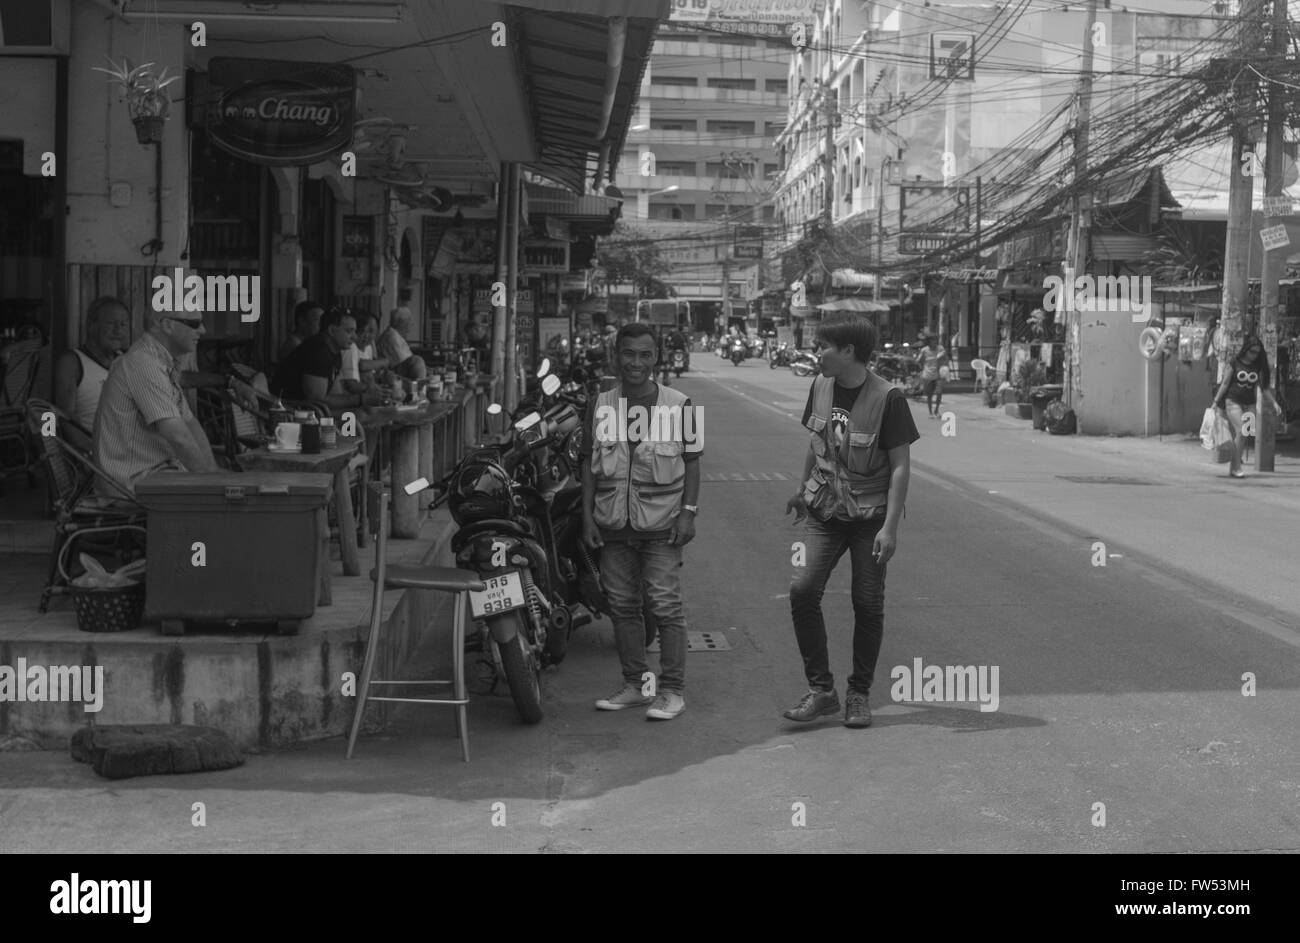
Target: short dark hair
column 364, row 316
column 301, row 309
column 850, row 329
column 334, row 315
column 101, row 304
column 633, row 329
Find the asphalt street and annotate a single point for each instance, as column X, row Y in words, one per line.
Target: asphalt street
column 1117, row 691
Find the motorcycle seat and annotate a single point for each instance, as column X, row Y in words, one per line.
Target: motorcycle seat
column 497, row 525
column 445, row 578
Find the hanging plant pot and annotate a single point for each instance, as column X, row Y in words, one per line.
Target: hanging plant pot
column 148, row 128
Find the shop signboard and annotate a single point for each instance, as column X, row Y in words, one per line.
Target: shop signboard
column 358, row 237
column 1274, row 237
column 280, row 114
column 545, row 257
column 926, row 208
column 523, row 300
column 749, row 242
column 921, row 243
column 768, row 17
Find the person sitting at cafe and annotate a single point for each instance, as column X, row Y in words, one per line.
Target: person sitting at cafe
column 312, row 368
column 79, row 374
column 144, row 423
column 359, row 361
column 306, row 323
column 393, row 347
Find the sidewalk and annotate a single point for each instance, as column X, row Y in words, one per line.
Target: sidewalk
column 1162, row 501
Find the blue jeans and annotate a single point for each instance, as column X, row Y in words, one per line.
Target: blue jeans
column 825, row 542
column 629, row 569
column 1235, row 412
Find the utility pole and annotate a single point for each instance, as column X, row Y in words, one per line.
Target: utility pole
column 1265, row 425
column 1236, row 256
column 1081, row 217
column 830, row 109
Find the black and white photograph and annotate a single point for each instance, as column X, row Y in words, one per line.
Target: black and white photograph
column 660, row 427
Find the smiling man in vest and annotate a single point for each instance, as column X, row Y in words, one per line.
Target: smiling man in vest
column 854, row 487
column 639, row 492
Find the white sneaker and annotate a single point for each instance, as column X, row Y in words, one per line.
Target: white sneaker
column 628, row 696
column 666, row 706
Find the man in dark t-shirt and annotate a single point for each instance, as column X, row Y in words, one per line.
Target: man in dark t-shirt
column 868, row 533
column 310, row 371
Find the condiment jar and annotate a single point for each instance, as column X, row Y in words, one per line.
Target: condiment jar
column 329, row 437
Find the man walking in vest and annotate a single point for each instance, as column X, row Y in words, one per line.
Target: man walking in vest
column 640, row 485
column 854, row 487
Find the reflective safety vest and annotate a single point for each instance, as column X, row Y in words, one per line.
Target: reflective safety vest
column 851, row 482
column 644, row 488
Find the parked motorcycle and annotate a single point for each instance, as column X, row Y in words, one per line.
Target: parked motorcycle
column 780, row 356
column 804, row 363
column 900, row 370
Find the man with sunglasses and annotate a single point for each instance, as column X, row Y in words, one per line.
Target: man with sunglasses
column 144, row 423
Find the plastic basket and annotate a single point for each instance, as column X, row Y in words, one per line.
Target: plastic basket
column 108, row 610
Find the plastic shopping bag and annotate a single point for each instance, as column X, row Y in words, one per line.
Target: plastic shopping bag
column 1207, row 429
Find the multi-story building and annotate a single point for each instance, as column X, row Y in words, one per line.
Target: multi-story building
column 700, row 164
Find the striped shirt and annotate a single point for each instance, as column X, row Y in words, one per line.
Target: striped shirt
column 143, row 387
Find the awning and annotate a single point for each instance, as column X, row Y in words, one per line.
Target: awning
column 563, row 56
column 856, row 305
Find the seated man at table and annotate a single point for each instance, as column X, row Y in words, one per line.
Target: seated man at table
column 315, row 364
column 306, row 323
column 360, row 362
column 393, row 347
column 80, row 373
column 144, row 423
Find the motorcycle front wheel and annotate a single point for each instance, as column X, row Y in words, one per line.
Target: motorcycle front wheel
column 522, row 669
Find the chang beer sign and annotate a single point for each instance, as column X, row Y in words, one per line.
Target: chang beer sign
column 280, row 114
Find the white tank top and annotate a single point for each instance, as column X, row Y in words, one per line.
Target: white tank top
column 93, row 375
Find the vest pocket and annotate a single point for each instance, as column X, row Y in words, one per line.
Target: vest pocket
column 667, row 464
column 861, row 445
column 606, row 509
column 606, row 457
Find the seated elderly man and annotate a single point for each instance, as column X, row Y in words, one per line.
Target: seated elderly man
column 79, row 374
column 306, row 323
column 393, row 347
column 144, row 423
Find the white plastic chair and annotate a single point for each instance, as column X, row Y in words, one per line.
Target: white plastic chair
column 983, row 373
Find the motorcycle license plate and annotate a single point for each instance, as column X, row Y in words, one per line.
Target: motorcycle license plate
column 501, row 594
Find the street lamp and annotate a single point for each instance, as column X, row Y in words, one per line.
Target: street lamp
column 664, row 190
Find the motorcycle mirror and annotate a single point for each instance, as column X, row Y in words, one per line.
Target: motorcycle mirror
column 544, row 367
column 550, row 383
column 494, row 409
column 416, row 486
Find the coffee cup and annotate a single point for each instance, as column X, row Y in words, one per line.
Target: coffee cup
column 288, row 435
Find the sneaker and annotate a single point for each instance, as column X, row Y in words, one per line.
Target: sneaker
column 814, row 704
column 628, row 696
column 1238, row 474
column 856, row 711
column 666, row 706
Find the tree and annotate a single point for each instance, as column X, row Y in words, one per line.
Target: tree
column 628, row 258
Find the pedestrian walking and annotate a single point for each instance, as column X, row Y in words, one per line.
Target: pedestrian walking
column 855, row 482
column 1236, row 397
column 930, row 357
column 640, row 487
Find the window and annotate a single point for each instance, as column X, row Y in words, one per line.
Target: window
column 732, row 170
column 672, row 124
column 729, row 127
column 773, row 128
column 770, row 169
column 769, row 214
column 729, row 39
column 675, row 168
column 776, row 85
column 739, row 85
column 672, row 211
column 715, row 210
column 674, row 81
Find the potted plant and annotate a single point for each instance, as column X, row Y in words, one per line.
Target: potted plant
column 146, row 98
column 1029, row 375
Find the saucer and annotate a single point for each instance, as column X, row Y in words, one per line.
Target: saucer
column 287, row 450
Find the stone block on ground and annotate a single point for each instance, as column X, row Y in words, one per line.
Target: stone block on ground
column 122, row 751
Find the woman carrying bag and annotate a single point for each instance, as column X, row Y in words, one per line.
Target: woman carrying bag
column 1236, row 395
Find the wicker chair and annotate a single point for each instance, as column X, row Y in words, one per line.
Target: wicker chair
column 81, row 517
column 15, row 392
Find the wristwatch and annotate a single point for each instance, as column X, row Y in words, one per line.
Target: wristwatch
column 693, row 508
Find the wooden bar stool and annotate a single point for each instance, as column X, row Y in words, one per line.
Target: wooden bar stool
column 444, row 579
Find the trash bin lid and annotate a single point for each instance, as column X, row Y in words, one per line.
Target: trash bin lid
column 216, row 483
